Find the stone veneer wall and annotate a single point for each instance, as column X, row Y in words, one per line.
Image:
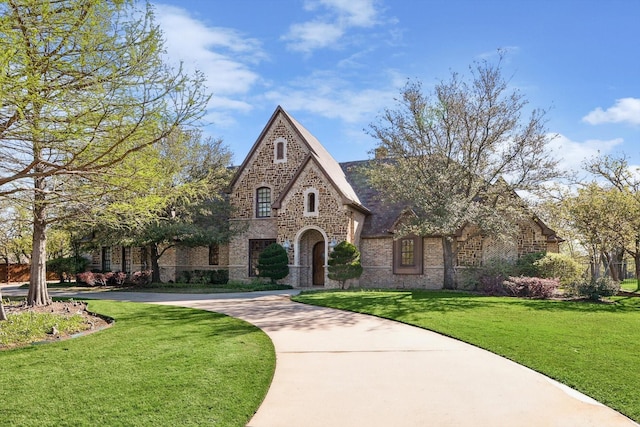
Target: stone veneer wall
column 337, row 220
column 377, row 263
column 261, row 169
column 474, row 249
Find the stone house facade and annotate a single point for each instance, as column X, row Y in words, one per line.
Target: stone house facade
column 290, row 190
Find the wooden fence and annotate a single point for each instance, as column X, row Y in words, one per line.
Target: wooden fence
column 19, row 273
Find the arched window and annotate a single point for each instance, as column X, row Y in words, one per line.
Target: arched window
column 263, row 202
column 311, row 202
column 280, row 150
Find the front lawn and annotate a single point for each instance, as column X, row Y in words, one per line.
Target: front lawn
column 592, row 347
column 158, row 365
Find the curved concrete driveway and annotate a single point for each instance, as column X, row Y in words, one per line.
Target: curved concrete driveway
column 336, row 368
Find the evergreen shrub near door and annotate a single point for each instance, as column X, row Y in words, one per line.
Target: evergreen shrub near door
column 273, row 263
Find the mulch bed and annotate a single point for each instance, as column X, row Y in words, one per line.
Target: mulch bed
column 92, row 321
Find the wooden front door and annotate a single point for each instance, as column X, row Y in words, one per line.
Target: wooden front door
column 318, row 264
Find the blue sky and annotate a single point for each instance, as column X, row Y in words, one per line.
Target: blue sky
column 336, row 64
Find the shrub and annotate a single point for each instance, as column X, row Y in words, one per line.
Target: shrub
column 526, row 264
column 100, row 279
column 118, row 278
column 531, row 287
column 141, row 278
column 184, row 277
column 65, row 268
column 344, row 263
column 596, row 288
column 488, row 278
column 560, row 266
column 273, row 263
column 86, row 278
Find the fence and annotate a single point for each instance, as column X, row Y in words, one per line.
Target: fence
column 19, row 273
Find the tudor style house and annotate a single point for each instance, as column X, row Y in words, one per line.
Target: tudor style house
column 290, row 190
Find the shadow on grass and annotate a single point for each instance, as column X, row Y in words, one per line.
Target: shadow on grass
column 397, row 303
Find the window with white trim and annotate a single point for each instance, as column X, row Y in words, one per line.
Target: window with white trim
column 280, row 150
column 311, row 202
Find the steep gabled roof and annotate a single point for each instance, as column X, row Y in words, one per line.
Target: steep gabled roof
column 318, row 153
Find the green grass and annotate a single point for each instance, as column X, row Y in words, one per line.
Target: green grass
column 592, row 347
column 629, row 285
column 158, row 365
column 32, row 327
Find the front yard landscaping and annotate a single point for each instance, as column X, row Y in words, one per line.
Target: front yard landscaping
column 157, row 365
column 592, row 347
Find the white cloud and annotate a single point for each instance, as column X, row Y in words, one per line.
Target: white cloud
column 313, row 35
column 222, row 54
column 571, row 154
column 328, row 29
column 329, row 96
column 625, row 110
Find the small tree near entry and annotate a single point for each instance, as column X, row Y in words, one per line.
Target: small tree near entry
column 273, row 263
column 344, row 263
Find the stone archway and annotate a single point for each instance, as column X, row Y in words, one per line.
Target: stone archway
column 310, row 256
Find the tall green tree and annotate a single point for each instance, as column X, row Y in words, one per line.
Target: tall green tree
column 624, row 180
column 595, row 213
column 456, row 155
column 83, row 89
column 182, row 203
column 344, row 263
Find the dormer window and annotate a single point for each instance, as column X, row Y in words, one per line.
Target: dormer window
column 311, row 202
column 280, row 150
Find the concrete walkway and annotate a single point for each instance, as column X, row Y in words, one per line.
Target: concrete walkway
column 336, row 368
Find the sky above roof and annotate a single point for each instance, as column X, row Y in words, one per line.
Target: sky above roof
column 335, row 65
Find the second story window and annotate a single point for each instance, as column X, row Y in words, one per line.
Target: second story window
column 311, row 202
column 280, row 150
column 263, row 202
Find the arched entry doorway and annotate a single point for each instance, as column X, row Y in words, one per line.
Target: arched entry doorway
column 318, row 264
column 310, row 256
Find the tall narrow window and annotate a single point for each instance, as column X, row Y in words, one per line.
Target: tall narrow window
column 280, row 150
column 106, row 258
column 214, row 255
column 126, row 259
column 263, row 202
column 310, row 202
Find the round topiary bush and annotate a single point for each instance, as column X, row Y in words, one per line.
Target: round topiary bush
column 273, row 263
column 559, row 266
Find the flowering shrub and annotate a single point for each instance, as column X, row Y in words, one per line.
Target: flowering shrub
column 141, row 278
column 118, row 278
column 85, row 278
column 531, row 287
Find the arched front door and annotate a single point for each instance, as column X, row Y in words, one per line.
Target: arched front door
column 318, row 264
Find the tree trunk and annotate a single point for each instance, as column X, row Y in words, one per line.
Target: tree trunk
column 38, row 293
column 448, row 253
column 3, row 315
column 155, row 266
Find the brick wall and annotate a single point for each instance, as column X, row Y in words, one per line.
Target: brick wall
column 377, row 263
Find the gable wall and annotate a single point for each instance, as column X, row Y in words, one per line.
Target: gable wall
column 332, row 217
column 261, row 169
